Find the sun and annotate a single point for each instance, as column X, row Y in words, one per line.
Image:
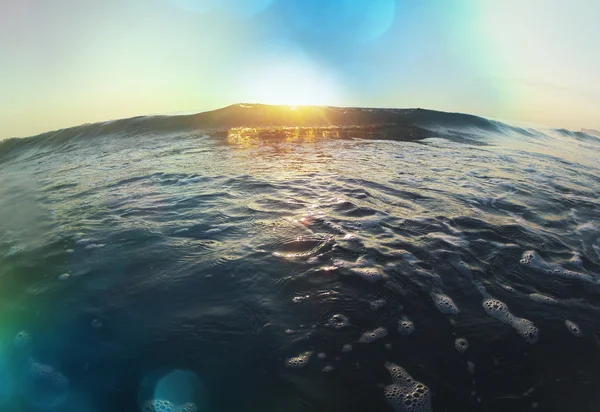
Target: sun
column 291, row 83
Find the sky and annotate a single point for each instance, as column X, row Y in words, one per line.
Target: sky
column 69, row 62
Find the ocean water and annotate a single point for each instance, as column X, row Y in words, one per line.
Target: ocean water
column 147, row 265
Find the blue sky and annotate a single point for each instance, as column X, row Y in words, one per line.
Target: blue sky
column 67, row 62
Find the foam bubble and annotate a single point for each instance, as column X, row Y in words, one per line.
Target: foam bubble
column 405, row 327
column 328, row 368
column 96, row 324
column 347, row 348
column 43, row 387
column 321, row 355
column 576, row 260
column 573, row 328
column 461, row 345
column 377, row 304
column 524, row 327
column 462, row 266
column 298, row 361
column 370, row 274
column 64, row 276
column 451, row 240
column 471, row 367
column 372, row 336
column 388, row 346
column 534, row 261
column 337, row 321
column 406, row 394
column 530, row 258
column 509, row 288
column 22, row 340
column 541, row 298
column 161, row 405
column 406, row 256
column 444, row 304
column 497, row 310
column 570, row 274
column 363, row 261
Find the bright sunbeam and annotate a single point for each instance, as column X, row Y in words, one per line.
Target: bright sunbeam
column 288, row 77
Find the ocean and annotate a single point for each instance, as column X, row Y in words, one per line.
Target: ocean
column 296, row 259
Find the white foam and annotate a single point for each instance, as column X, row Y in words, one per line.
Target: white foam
column 337, row 321
column 444, row 304
column 524, row 327
column 298, row 361
column 576, row 260
column 161, row 405
column 461, row 345
column 373, row 335
column 541, row 298
column 406, row 394
column 377, row 304
column 22, row 340
column 347, row 348
column 44, row 387
column 573, row 328
column 406, row 327
column 406, row 256
column 497, row 310
column 451, row 240
column 369, row 273
column 321, row 355
column 328, row 368
column 534, row 261
column 363, row 261
column 64, row 276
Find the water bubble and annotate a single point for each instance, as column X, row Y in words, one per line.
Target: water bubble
column 321, row 355
column 573, row 328
column 373, row 335
column 298, row 361
column 406, row 394
column 498, row 310
column 347, row 348
column 377, row 304
column 535, row 262
column 461, row 345
column 406, row 327
column 43, row 387
column 328, row 368
column 541, row 298
column 162, row 405
column 22, row 340
column 526, row 329
column 370, row 274
column 338, row 321
column 444, row 304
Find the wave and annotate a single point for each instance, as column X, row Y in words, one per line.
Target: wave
column 383, row 124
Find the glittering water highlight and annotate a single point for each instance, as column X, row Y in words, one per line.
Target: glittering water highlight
column 429, row 262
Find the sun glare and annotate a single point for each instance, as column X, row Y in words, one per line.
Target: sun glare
column 291, row 84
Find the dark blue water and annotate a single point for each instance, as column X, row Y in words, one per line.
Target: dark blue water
column 147, row 267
